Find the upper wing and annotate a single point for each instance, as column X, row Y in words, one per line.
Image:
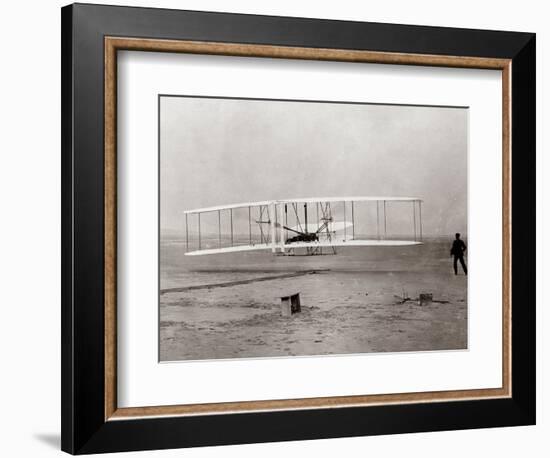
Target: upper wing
column 229, row 207
column 303, row 201
column 349, row 199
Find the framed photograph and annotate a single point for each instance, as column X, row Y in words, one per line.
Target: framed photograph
column 281, row 228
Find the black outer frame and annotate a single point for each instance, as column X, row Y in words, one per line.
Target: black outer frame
column 84, row 429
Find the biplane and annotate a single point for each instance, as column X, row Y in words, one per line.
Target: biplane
column 310, row 226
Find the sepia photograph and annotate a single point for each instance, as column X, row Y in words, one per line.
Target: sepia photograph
column 304, row 228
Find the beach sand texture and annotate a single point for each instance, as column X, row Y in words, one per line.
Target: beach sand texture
column 229, row 306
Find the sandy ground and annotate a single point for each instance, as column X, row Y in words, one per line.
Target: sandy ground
column 347, row 309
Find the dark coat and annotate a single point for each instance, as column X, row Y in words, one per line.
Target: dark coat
column 458, row 248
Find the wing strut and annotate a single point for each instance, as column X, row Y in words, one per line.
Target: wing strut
column 420, row 217
column 249, row 227
column 385, row 225
column 352, row 221
column 231, row 217
column 345, row 230
column 318, row 220
column 220, row 228
column 272, row 221
column 286, row 220
column 199, row 231
column 186, row 234
column 378, row 220
column 414, row 219
column 282, row 228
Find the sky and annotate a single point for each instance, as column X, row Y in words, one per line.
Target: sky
column 221, row 151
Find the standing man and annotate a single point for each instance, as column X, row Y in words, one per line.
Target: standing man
column 457, row 251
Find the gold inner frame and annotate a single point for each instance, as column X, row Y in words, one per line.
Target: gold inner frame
column 114, row 44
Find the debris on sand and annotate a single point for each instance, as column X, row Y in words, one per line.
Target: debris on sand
column 440, row 301
column 422, row 300
column 425, row 298
column 402, row 300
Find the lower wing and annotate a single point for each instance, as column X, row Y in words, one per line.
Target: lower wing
column 286, row 246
